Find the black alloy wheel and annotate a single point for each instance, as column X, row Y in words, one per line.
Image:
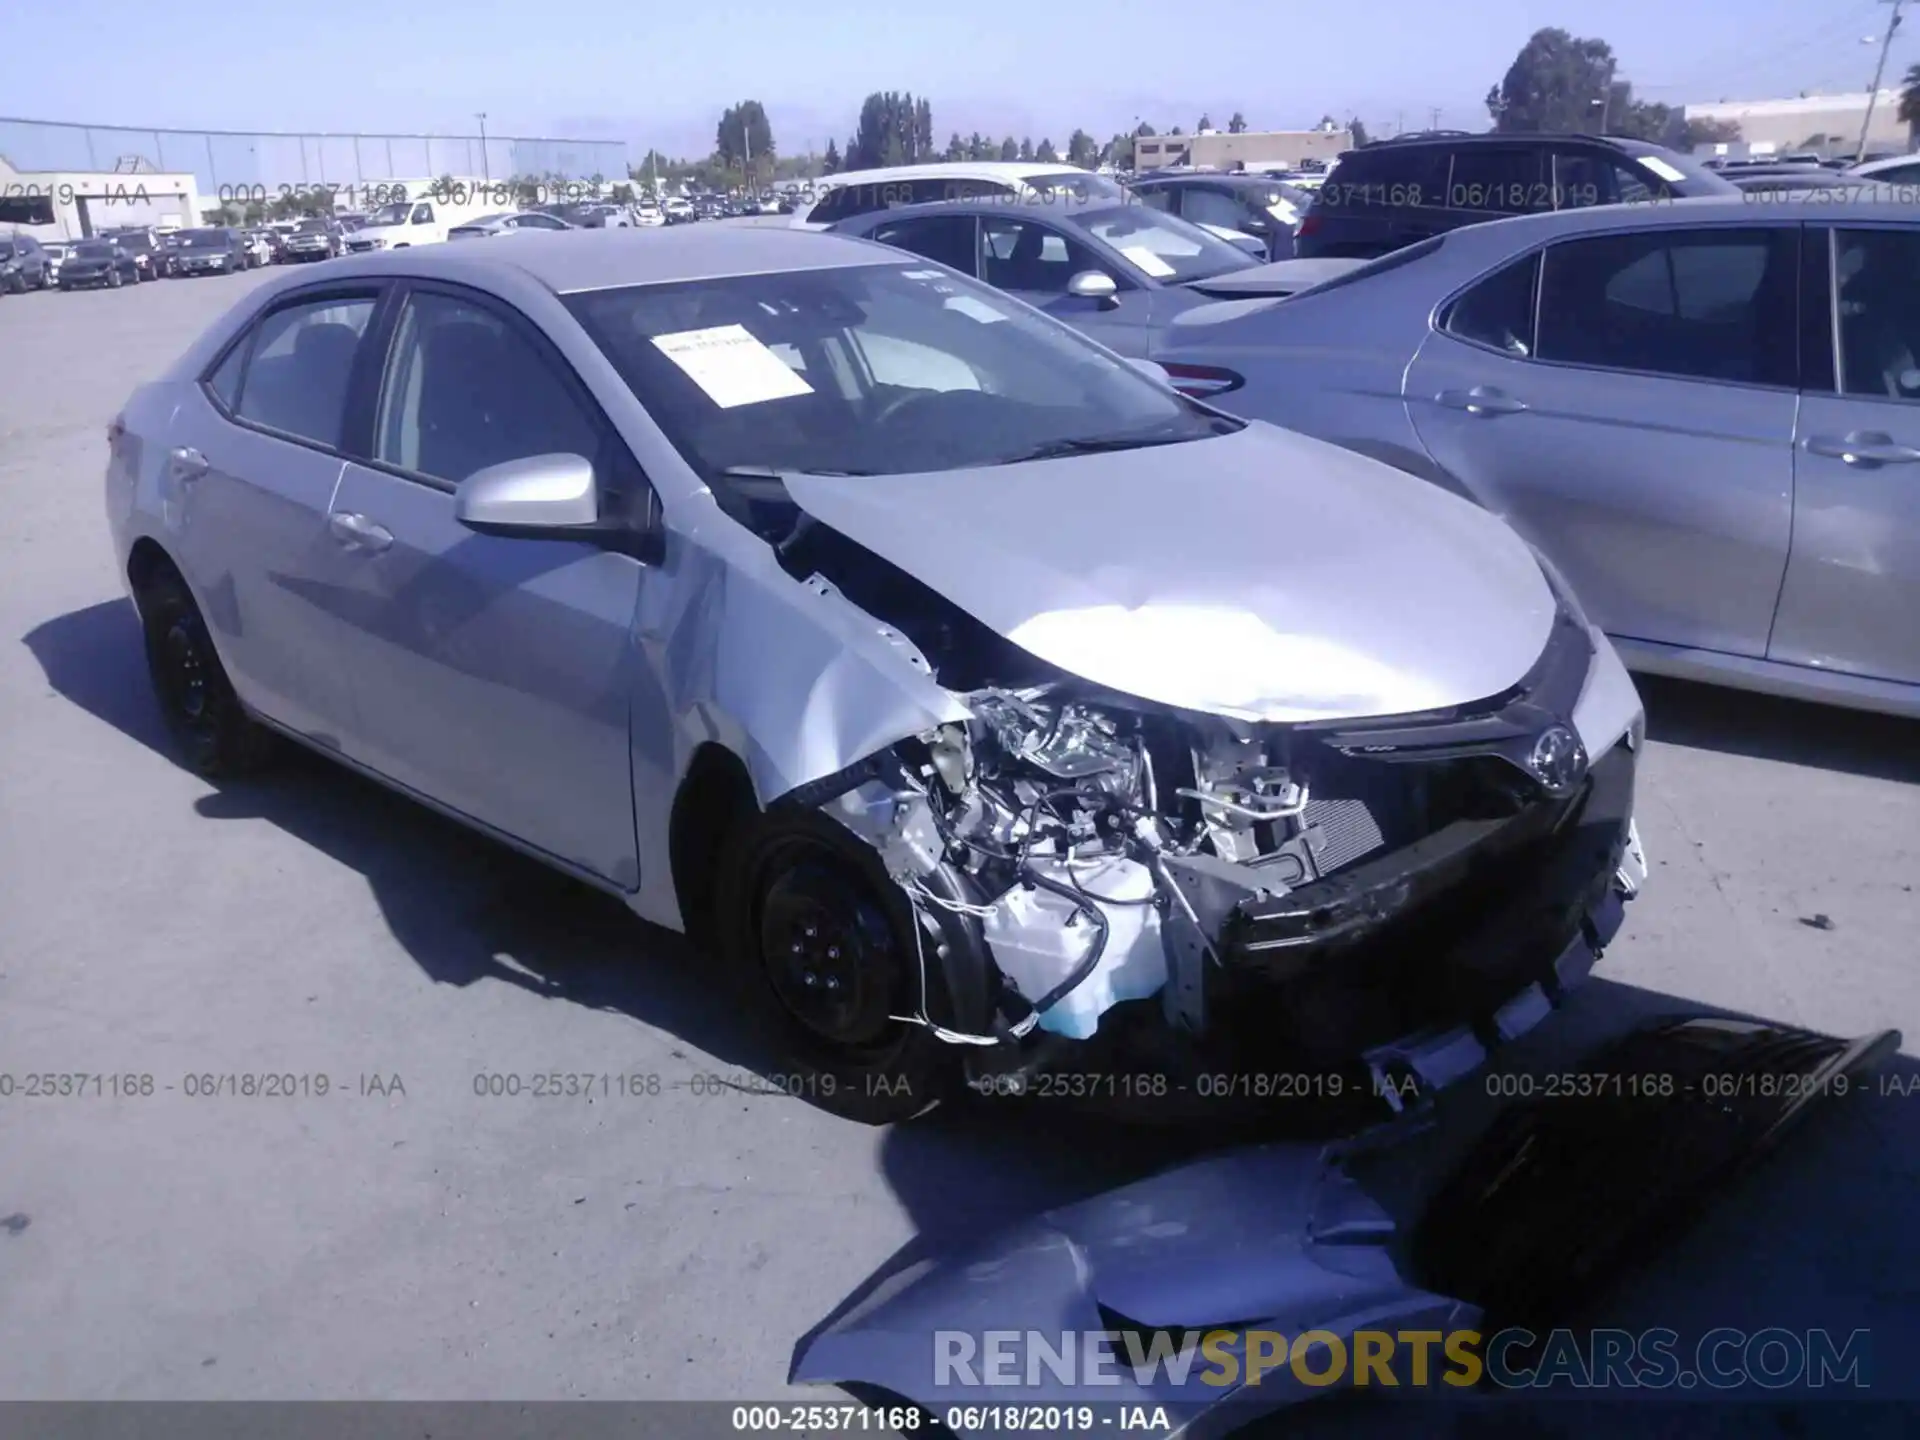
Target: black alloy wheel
column 821, row 942
column 215, row 735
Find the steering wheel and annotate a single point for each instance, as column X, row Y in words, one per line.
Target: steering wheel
column 901, row 403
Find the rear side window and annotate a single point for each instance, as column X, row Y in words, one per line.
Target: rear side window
column 298, row 365
column 1498, row 311
column 1387, row 176
column 948, row 239
column 1499, row 179
column 1703, row 304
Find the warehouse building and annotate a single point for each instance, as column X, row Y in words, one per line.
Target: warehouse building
column 1223, row 150
column 1827, row 123
column 73, row 204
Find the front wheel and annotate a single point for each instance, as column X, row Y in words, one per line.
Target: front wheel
column 115, row 279
column 215, row 735
column 821, row 944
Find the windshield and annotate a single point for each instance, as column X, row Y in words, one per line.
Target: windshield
column 1685, row 175
column 93, row 250
column 874, row 370
column 311, row 227
column 6, row 249
column 204, row 239
column 1162, row 245
column 394, row 214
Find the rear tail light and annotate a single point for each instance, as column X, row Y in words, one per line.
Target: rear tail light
column 1203, row 382
column 1309, row 224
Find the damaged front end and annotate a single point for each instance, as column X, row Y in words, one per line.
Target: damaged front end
column 1398, row 892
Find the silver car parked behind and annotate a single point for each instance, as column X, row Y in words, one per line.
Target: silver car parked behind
column 1706, row 412
column 966, row 690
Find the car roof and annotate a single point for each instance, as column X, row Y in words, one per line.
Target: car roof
column 994, row 204
column 954, row 169
column 1852, row 203
column 1212, row 177
column 570, row 261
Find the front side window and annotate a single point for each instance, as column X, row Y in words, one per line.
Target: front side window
column 394, row 214
column 298, row 365
column 1879, row 309
column 1158, row 197
column 1203, row 206
column 1027, row 256
column 872, row 370
column 1498, row 311
column 1703, row 304
column 1166, row 247
column 464, row 390
column 949, row 239
column 423, row 214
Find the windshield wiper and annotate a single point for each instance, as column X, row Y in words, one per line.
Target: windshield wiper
column 775, row 472
column 1101, row 444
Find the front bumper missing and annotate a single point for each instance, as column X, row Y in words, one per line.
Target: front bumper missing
column 1284, row 1239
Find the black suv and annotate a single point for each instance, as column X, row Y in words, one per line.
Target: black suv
column 1396, row 192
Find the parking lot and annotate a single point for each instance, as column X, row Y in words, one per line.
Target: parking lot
column 407, row 1235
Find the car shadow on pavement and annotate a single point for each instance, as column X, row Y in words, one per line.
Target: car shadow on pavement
column 1766, row 727
column 1820, row 1234
column 463, row 907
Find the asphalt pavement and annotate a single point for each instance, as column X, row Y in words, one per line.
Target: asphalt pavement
column 409, row 1234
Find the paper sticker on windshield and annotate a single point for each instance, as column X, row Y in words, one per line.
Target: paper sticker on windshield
column 731, row 366
column 1662, row 169
column 921, row 275
column 973, row 308
column 1147, row 261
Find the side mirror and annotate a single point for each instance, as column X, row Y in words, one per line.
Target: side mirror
column 1154, row 371
column 542, row 497
column 1252, row 244
column 1092, row 285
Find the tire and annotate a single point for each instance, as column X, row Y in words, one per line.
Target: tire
column 212, row 731
column 792, row 879
column 115, row 279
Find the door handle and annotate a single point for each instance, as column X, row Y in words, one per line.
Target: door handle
column 1480, row 400
column 358, row 532
column 187, row 463
column 1866, row 448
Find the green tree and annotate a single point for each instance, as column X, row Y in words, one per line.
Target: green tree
column 1082, row 150
column 1176, row 131
column 1026, row 149
column 1909, row 111
column 1357, row 130
column 1009, row 149
column 956, row 147
column 1045, row 154
column 830, row 162
column 1143, row 129
column 894, row 129
column 744, row 139
column 1206, row 122
column 1237, row 124
column 1556, row 82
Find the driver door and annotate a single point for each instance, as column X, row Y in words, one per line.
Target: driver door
column 491, row 675
column 1035, row 261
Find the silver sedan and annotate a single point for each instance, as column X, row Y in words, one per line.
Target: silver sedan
column 1706, row 412
column 966, row 690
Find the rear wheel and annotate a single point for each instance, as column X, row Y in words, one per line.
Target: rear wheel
column 821, row 943
column 215, row 735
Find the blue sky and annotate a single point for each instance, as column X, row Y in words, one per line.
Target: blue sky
column 659, row 73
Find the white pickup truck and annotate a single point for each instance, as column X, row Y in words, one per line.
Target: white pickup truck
column 424, row 220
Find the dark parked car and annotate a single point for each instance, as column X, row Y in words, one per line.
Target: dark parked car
column 1398, row 192
column 312, row 239
column 146, row 247
column 214, row 250
column 24, row 265
column 1270, row 210
column 99, row 262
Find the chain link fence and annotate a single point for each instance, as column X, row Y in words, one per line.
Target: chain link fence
column 233, row 164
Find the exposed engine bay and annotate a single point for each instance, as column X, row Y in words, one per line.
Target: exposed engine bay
column 1095, row 849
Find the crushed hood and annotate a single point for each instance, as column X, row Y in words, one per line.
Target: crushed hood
column 1262, row 575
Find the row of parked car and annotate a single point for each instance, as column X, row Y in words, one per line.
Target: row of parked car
column 130, row 255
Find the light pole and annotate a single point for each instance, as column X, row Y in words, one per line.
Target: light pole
column 1879, row 69
column 485, row 173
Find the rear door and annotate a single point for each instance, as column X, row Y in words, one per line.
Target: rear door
column 1852, row 597
column 255, row 454
column 1036, row 261
column 491, row 675
column 1626, row 400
